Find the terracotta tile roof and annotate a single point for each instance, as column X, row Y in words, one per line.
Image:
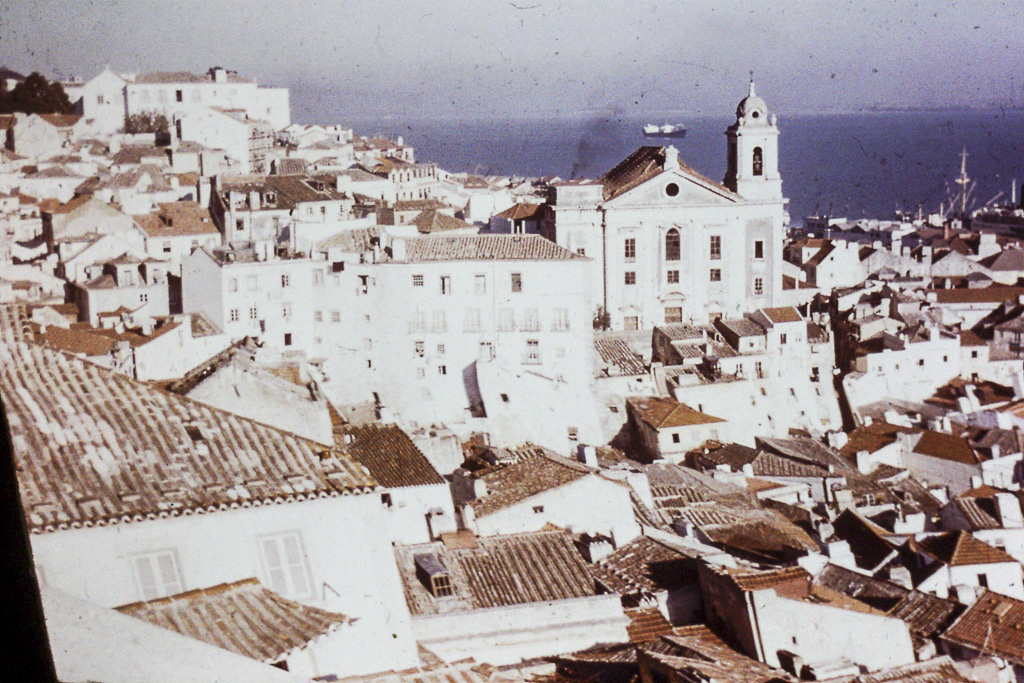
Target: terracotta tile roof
column 535, row 472
column 946, row 447
column 666, row 413
column 95, row 448
column 872, row 437
column 869, row 542
column 432, row 220
column 960, row 548
column 61, row 120
column 243, row 617
column 991, row 295
column 518, row 212
column 937, row 670
column 993, row 625
column 288, row 190
column 617, row 353
column 391, row 457
column 357, row 240
column 642, row 165
column 785, row 314
column 177, row 219
column 185, row 77
column 76, row 342
column 485, row 247
column 696, row 653
column 644, row 566
column 980, row 512
column 926, row 615
column 499, row 571
column 646, row 624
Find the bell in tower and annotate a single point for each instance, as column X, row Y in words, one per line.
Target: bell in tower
column 753, row 162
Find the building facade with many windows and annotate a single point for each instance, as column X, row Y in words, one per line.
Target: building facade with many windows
column 672, row 245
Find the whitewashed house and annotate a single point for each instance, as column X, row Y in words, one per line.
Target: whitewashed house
column 132, row 493
column 503, row 599
column 949, row 560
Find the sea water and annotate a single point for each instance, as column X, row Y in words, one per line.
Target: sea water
column 853, row 165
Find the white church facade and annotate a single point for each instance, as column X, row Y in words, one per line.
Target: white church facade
column 673, row 246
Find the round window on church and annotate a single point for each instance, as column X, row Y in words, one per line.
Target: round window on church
column 671, row 189
column 755, row 114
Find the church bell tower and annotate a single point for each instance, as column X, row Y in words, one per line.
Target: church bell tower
column 753, row 163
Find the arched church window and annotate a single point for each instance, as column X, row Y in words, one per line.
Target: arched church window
column 758, row 161
column 672, row 245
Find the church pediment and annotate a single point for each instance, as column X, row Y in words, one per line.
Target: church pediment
column 675, row 187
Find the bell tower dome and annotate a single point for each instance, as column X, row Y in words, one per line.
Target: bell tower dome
column 753, row 161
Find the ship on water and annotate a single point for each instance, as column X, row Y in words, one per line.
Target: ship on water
column 665, row 130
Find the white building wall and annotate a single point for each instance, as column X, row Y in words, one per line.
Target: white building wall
column 820, row 633
column 413, row 515
column 592, row 504
column 354, row 573
column 504, row 635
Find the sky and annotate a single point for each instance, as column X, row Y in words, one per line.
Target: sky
column 542, row 57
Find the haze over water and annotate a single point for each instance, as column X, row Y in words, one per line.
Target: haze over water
column 853, row 165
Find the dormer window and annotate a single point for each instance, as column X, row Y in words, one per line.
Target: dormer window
column 434, row 576
column 269, row 197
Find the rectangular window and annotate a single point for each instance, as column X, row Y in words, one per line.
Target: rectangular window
column 675, row 437
column 473, row 320
column 716, row 247
column 253, row 313
column 759, row 249
column 157, row 574
column 420, row 349
column 673, row 277
column 179, row 95
column 233, row 284
column 630, row 249
column 318, row 316
column 285, row 281
column 532, row 351
column 417, row 280
column 234, row 315
column 531, row 321
column 581, row 251
column 439, row 324
column 143, row 297
column 574, row 433
column 440, row 349
column 758, row 286
column 517, row 282
column 167, row 247
column 782, row 338
column 480, row 284
column 486, row 351
column 318, row 278
column 715, row 275
column 286, row 311
column 287, row 338
column 446, row 284
column 285, row 565
column 673, row 314
column 442, row 369
column 561, row 323
column 631, row 322
column 251, row 283
column 335, row 316
column 630, row 277
column 506, row 320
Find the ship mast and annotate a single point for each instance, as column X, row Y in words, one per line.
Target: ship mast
column 963, row 182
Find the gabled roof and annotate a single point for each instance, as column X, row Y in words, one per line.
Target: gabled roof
column 1005, row 260
column 177, row 219
column 242, row 617
column 170, row 77
column 432, row 220
column 498, row 571
column 993, row 626
column 642, row 165
column 784, row 314
column 644, row 566
column 77, row 466
column 536, row 471
column 485, row 247
column 946, row 447
column 389, row 454
column 960, row 548
column 518, row 212
column 667, row 413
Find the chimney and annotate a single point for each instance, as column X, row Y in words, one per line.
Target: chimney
column 1009, row 511
column 398, row 252
column 587, row 455
column 671, row 158
column 972, row 396
column 219, row 74
column 203, row 191
column 254, row 200
column 683, row 527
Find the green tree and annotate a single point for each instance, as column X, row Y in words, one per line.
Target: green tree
column 36, row 95
column 146, row 122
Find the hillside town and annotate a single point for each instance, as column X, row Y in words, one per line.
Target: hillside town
column 288, row 403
